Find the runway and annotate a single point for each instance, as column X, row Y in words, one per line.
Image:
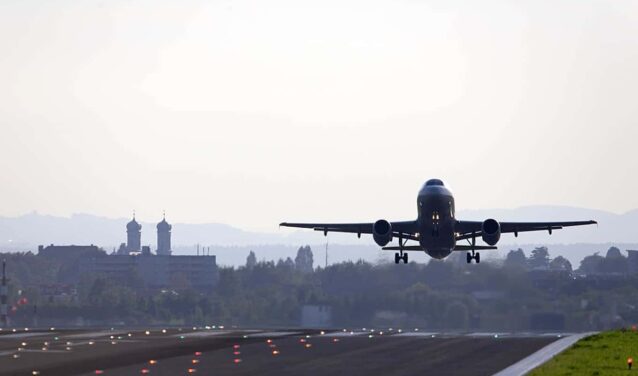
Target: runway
column 232, row 351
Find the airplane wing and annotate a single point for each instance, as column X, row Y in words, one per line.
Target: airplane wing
column 404, row 229
column 467, row 229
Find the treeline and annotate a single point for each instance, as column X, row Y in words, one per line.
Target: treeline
column 516, row 293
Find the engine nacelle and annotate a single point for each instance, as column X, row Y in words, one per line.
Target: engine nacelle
column 382, row 232
column 491, row 230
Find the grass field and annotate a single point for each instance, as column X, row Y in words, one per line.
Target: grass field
column 602, row 354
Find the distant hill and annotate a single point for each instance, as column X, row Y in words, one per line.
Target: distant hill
column 27, row 231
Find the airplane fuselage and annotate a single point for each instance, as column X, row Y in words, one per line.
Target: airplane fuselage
column 436, row 220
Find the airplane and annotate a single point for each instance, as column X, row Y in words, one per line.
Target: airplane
column 436, row 228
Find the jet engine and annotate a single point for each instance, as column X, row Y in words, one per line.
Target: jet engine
column 382, row 232
column 491, row 230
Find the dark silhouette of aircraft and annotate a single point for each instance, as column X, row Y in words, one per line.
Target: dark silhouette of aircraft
column 436, row 228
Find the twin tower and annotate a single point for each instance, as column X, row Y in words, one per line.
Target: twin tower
column 134, row 237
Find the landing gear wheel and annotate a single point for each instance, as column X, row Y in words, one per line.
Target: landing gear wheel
column 405, row 258
column 477, row 257
column 469, row 258
column 397, row 258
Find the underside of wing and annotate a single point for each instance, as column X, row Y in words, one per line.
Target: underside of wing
column 404, row 229
column 469, row 229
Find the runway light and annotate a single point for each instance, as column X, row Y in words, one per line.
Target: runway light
column 237, row 361
column 69, row 343
column 495, row 335
column 144, row 371
column 235, row 346
column 68, row 348
column 322, row 332
column 52, row 328
column 369, row 335
column 399, row 330
column 91, row 343
column 113, row 342
column 147, row 332
column 99, row 372
column 308, row 345
column 269, row 341
column 335, row 340
column 302, row 340
column 275, row 352
column 46, row 343
column 199, row 353
column 16, row 356
column 236, row 353
column 192, row 370
column 195, row 361
column 23, row 344
column 164, row 331
column 130, row 335
column 35, row 372
column 152, row 362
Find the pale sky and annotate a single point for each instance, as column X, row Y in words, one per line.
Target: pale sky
column 255, row 112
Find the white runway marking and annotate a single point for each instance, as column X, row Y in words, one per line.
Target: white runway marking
column 541, row 356
column 346, row 334
column 103, row 333
column 25, row 335
column 417, row 334
column 201, row 334
column 271, row 334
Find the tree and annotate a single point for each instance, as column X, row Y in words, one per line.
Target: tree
column 515, row 259
column 613, row 252
column 304, row 261
column 539, row 259
column 614, row 262
column 251, row 260
column 591, row 264
column 560, row 264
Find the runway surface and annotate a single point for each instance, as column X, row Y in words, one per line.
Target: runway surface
column 224, row 351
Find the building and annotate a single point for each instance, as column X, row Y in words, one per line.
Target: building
column 133, row 236
column 156, row 271
column 69, row 252
column 164, row 238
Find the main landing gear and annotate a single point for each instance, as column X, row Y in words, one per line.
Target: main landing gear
column 400, row 256
column 473, row 256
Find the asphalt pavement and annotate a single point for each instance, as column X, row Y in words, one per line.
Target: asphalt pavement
column 232, row 351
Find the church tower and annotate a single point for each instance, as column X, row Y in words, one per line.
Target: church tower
column 164, row 237
column 133, row 236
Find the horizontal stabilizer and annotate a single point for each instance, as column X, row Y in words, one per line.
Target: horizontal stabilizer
column 476, row 247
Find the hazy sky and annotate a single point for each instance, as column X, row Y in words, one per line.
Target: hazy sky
column 254, row 112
